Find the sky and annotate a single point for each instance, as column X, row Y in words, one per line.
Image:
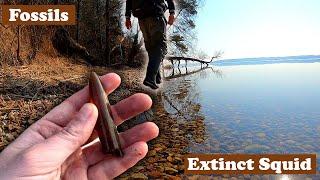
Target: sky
column 259, row 28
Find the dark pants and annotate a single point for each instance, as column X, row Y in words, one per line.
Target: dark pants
column 154, row 34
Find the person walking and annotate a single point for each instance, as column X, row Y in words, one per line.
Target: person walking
column 153, row 25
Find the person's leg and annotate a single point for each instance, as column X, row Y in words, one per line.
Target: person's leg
column 145, row 25
column 158, row 77
column 158, row 47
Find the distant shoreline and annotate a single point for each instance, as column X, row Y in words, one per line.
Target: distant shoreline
column 268, row 60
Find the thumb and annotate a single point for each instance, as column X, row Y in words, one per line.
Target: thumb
column 75, row 134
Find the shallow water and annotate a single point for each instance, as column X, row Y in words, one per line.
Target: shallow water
column 272, row 108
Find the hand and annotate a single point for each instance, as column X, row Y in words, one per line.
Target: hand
column 171, row 20
column 52, row 148
column 128, row 23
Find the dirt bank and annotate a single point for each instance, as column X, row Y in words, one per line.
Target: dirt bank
column 29, row 92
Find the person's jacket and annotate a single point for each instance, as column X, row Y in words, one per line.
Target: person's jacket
column 170, row 3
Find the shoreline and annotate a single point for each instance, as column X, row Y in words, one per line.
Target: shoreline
column 30, row 91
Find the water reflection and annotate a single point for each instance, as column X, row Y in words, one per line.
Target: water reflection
column 248, row 109
column 178, row 72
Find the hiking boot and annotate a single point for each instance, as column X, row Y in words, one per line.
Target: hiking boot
column 150, row 84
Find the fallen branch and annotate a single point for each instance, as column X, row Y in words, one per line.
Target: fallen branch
column 202, row 61
column 181, row 58
column 175, row 58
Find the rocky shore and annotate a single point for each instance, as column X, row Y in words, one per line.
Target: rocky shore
column 28, row 92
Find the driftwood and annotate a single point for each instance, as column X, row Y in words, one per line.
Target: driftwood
column 65, row 45
column 186, row 59
column 175, row 58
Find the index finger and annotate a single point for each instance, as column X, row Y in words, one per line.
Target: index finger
column 64, row 112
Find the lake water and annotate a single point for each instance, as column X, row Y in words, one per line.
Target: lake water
column 270, row 108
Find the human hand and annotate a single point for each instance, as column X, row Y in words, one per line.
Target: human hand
column 171, row 20
column 52, row 148
column 128, row 23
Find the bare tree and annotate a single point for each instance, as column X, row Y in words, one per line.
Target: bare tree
column 107, row 49
column 78, row 19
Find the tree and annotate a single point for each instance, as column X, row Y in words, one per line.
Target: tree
column 107, row 48
column 182, row 35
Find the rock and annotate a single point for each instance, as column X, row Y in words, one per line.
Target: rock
column 290, row 141
column 175, row 129
column 155, row 174
column 160, row 169
column 123, row 178
column 158, row 149
column 170, row 170
column 261, row 135
column 31, row 121
column 138, row 176
column 152, row 160
column 10, row 137
column 247, row 176
column 307, row 147
column 172, row 177
column 255, row 177
column 178, row 159
column 256, row 148
column 180, row 167
column 139, row 168
column 199, row 140
column 266, row 177
column 10, row 127
column 152, row 153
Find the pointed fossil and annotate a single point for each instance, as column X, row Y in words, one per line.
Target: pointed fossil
column 107, row 130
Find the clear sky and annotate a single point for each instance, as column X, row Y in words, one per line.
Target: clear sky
column 259, row 28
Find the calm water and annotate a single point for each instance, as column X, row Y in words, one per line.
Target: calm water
column 271, row 108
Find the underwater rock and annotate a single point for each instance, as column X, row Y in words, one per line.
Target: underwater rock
column 261, row 135
column 256, row 148
column 170, row 170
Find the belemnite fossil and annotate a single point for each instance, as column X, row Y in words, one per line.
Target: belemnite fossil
column 107, row 130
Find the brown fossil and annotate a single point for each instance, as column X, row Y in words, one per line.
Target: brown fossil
column 107, row 130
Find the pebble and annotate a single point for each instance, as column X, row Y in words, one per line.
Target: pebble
column 170, row 170
column 155, row 174
column 138, row 176
column 256, row 148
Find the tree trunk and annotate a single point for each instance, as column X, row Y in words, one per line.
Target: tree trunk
column 18, row 43
column 107, row 49
column 78, row 20
column 98, row 31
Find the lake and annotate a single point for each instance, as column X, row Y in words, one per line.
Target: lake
column 268, row 108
